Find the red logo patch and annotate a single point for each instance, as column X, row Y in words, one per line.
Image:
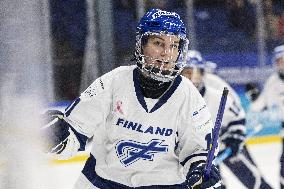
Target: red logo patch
column 118, row 107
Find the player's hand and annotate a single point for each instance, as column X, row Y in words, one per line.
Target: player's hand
column 233, row 140
column 195, row 178
column 56, row 130
column 252, row 91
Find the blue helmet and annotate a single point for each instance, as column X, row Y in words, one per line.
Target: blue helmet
column 195, row 60
column 210, row 67
column 158, row 22
column 278, row 52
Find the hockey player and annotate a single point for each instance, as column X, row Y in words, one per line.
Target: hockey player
column 233, row 128
column 272, row 97
column 151, row 128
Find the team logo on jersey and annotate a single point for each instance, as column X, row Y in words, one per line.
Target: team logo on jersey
column 118, row 107
column 197, row 112
column 131, row 151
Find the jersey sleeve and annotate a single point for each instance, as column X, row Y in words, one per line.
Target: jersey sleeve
column 195, row 131
column 261, row 102
column 90, row 110
column 234, row 118
column 86, row 114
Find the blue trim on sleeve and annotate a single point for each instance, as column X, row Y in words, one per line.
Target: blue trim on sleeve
column 238, row 122
column 96, row 180
column 81, row 138
column 191, row 156
column 69, row 109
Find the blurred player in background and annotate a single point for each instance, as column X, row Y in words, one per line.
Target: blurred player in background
column 151, row 128
column 233, row 128
column 272, row 97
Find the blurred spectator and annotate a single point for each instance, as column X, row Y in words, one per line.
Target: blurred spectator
column 208, row 3
column 69, row 22
column 270, row 20
column 241, row 16
column 69, row 30
column 280, row 25
column 124, row 4
column 67, row 70
column 124, row 19
column 159, row 4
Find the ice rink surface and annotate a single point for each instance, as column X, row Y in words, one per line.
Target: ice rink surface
column 266, row 156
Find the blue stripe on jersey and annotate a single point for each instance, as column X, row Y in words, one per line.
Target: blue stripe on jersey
column 168, row 94
column 191, row 156
column 162, row 100
column 81, row 138
column 69, row 109
column 238, row 122
column 96, row 180
column 232, row 124
column 202, row 91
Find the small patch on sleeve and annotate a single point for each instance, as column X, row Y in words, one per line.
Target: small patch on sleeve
column 94, row 89
column 202, row 126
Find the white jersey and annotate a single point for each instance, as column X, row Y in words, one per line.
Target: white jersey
column 234, row 115
column 214, row 81
column 138, row 141
column 272, row 96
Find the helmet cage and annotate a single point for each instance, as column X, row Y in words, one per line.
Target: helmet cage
column 158, row 22
column 158, row 73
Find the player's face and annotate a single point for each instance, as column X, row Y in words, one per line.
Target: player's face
column 194, row 74
column 161, row 51
column 280, row 64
